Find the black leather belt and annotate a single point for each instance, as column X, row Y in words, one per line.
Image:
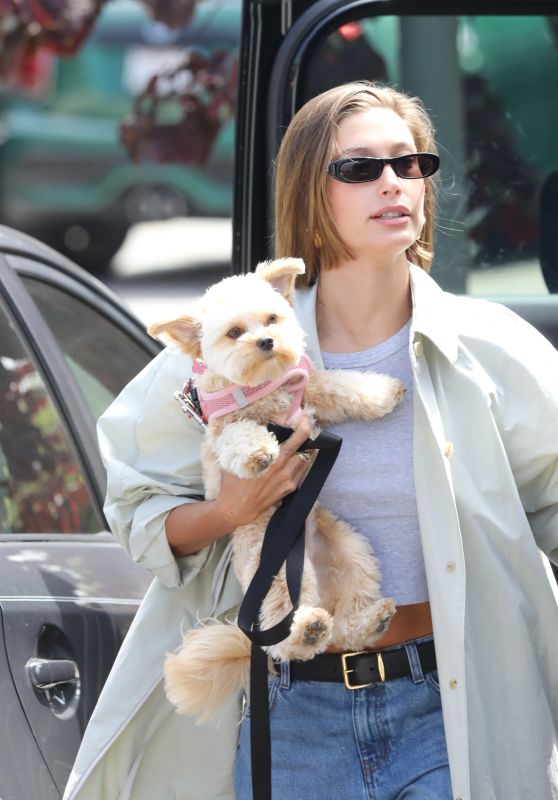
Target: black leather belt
column 358, row 670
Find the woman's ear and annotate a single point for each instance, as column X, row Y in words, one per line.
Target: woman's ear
column 184, row 332
column 282, row 274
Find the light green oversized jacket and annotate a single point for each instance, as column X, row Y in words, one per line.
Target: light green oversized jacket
column 486, row 476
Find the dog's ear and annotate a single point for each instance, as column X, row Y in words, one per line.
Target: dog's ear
column 282, row 274
column 184, row 332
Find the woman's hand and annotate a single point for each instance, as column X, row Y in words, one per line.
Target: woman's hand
column 241, row 500
column 192, row 526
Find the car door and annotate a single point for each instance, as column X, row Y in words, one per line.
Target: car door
column 68, row 592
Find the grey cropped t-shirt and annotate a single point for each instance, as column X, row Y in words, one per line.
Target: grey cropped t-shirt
column 371, row 485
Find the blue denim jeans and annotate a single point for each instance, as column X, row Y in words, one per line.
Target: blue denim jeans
column 383, row 742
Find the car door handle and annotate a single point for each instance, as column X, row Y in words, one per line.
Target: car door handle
column 46, row 673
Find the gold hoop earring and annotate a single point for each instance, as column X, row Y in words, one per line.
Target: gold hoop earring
column 317, row 240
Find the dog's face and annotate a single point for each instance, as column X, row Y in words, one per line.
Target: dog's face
column 244, row 327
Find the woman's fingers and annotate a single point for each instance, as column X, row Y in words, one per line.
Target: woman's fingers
column 297, row 437
column 298, row 463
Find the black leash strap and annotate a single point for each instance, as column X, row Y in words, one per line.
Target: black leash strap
column 283, row 544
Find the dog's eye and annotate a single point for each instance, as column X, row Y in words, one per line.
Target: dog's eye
column 272, row 319
column 234, row 333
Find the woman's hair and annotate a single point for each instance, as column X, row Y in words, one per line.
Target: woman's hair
column 303, row 223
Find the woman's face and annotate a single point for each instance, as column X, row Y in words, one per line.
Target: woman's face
column 380, row 218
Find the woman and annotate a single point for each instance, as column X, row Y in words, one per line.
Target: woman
column 457, row 490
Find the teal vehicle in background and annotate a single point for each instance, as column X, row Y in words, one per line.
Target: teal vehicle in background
column 65, row 176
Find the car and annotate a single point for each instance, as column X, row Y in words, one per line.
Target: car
column 69, row 592
column 65, row 176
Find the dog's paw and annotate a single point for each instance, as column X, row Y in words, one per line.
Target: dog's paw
column 247, row 449
column 382, row 614
column 396, row 393
column 359, row 626
column 310, row 634
column 381, row 394
column 259, row 461
column 315, row 631
column 249, row 465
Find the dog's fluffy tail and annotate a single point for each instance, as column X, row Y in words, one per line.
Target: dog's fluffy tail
column 212, row 663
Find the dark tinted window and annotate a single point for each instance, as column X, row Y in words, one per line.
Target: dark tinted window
column 102, row 356
column 42, row 488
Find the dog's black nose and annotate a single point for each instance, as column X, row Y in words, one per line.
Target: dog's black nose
column 265, row 344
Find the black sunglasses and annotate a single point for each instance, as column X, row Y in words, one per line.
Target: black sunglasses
column 360, row 169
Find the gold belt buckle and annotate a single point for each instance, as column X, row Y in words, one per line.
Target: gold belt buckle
column 347, row 670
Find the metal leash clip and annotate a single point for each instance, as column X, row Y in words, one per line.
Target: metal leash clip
column 189, row 407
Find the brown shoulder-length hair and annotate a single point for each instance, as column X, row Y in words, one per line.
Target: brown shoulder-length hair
column 303, row 224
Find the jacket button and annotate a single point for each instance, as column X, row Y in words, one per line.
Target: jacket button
column 453, row 684
column 448, row 449
column 450, row 566
column 418, row 348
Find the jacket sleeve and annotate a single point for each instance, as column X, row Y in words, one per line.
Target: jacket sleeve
column 528, row 400
column 151, row 451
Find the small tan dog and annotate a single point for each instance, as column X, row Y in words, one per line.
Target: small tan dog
column 245, row 331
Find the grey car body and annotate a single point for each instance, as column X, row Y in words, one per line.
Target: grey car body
column 68, row 592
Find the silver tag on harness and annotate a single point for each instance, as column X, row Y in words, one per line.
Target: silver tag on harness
column 189, row 407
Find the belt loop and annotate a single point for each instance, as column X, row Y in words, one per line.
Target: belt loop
column 414, row 662
column 285, row 675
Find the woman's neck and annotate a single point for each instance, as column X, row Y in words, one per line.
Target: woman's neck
column 359, row 306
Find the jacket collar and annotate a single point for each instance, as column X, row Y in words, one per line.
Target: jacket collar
column 432, row 317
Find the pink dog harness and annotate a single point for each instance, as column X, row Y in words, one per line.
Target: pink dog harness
column 235, row 397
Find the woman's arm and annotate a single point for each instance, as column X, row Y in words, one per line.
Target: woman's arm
column 192, row 526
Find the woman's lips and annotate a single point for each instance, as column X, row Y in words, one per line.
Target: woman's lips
column 393, row 216
column 392, row 222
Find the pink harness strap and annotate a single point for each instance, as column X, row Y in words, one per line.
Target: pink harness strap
column 235, row 397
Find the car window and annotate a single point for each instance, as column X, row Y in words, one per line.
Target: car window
column 101, row 355
column 42, row 488
column 489, row 83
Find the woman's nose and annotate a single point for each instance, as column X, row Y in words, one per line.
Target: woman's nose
column 389, row 180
